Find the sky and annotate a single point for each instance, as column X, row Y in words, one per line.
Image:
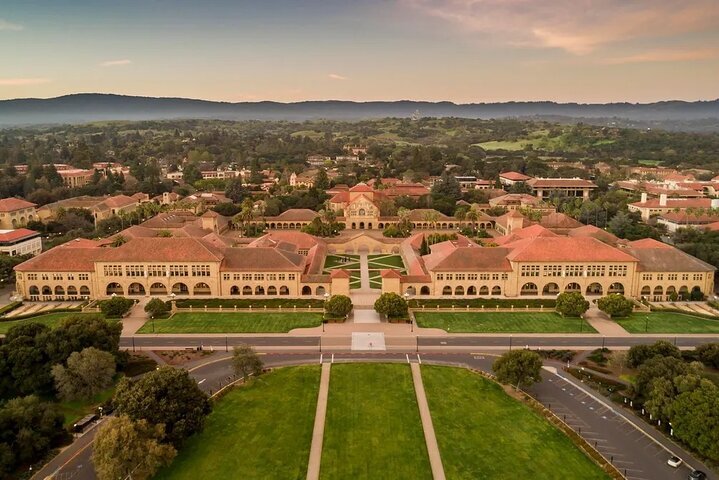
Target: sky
column 463, row 51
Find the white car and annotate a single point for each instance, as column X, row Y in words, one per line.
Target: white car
column 674, row 461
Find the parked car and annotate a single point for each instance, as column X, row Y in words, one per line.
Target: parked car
column 697, row 475
column 674, row 461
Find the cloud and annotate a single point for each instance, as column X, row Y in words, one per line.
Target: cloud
column 21, row 82
column 577, row 27
column 665, row 55
column 115, row 63
column 335, row 76
column 5, row 25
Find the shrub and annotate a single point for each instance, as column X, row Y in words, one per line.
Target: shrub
column 116, row 307
column 615, row 305
column 639, row 354
column 391, row 305
column 708, row 354
column 338, row 306
column 156, row 308
column 87, row 373
column 571, row 304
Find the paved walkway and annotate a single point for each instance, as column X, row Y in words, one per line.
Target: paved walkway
column 136, row 319
column 318, row 433
column 364, row 272
column 435, row 460
column 603, row 324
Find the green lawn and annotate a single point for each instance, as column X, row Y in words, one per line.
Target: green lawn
column 385, row 261
column 484, row 433
column 263, row 430
column 668, row 322
column 510, row 322
column 232, row 322
column 335, row 261
column 76, row 409
column 503, row 145
column 373, row 429
column 52, row 320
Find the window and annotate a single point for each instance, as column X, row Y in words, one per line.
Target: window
column 32, row 276
column 660, row 276
column 291, row 276
column 281, row 276
column 440, row 276
column 573, row 271
column 247, row 277
column 484, row 276
column 685, row 276
column 617, row 270
column 552, row 271
column 530, row 270
column 200, row 270
column 83, row 276
column 225, row 276
column 595, row 270
column 471, row 276
column 156, row 271
column 134, row 270
column 178, row 271
column 57, row 276
column 459, row 276
column 672, row 276
column 272, row 276
column 505, row 276
column 112, row 270
column 646, row 276
column 698, row 276
column 259, row 277
column 449, row 276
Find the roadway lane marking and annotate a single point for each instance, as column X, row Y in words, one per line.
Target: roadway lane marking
column 406, row 355
column 201, row 381
column 419, row 359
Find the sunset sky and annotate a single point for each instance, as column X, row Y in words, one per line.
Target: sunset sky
column 457, row 50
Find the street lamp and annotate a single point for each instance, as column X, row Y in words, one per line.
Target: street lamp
column 411, row 322
column 646, row 323
column 327, row 297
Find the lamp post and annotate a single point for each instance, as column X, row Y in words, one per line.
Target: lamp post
column 327, row 297
column 411, row 322
column 646, row 323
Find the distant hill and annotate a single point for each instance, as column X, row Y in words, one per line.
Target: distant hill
column 81, row 108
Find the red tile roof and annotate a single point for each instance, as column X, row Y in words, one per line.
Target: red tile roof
column 361, row 187
column 11, row 204
column 18, row 234
column 339, row 273
column 565, row 249
column 560, row 183
column 163, row 249
column 514, row 176
column 675, row 203
column 69, row 257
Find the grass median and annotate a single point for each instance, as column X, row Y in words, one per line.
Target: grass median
column 499, row 322
column 373, row 429
column 52, row 320
column 262, row 430
column 484, row 433
column 232, row 322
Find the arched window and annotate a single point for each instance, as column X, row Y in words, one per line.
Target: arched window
column 84, row 291
column 484, row 290
column 34, row 290
column 447, row 290
column 271, row 290
column 59, row 290
column 180, row 289
column 616, row 288
column 594, row 289
column 459, row 290
column 646, row 290
column 259, row 290
column 658, row 290
column 158, row 288
column 115, row 288
column 496, row 290
column 472, row 290
column 550, row 289
column 306, row 290
column 529, row 288
column 136, row 289
column 71, row 290
column 411, row 290
column 320, row 290
column 284, row 290
column 573, row 287
column 246, row 290
column 201, row 289
column 424, row 290
column 234, row 290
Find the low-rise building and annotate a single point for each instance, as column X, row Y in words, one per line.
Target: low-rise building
column 20, row 242
column 16, row 212
column 511, row 178
column 648, row 207
column 544, row 188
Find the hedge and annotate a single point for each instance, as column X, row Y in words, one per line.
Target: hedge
column 482, row 302
column 247, row 303
column 9, row 307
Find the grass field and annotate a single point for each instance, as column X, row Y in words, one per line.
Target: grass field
column 337, row 261
column 52, row 320
column 484, row 433
column 76, row 409
column 373, row 429
column 519, row 322
column 668, row 322
column 383, row 262
column 235, row 322
column 263, row 430
column 503, row 145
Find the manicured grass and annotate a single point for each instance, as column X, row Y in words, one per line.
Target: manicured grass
column 250, row 302
column 372, row 428
column 667, row 322
column 76, row 409
column 52, row 320
column 235, row 322
column 484, row 433
column 262, row 430
column 335, row 261
column 498, row 322
column 385, row 261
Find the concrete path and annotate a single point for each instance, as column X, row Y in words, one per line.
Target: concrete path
column 137, row 318
column 364, row 272
column 318, row 433
column 365, row 315
column 603, row 324
column 435, row 460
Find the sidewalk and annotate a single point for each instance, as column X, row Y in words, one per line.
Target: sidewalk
column 318, row 433
column 603, row 324
column 435, row 460
column 137, row 318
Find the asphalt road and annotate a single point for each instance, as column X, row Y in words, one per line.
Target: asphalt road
column 618, row 434
column 406, row 344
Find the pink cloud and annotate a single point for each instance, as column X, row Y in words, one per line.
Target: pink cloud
column 666, row 55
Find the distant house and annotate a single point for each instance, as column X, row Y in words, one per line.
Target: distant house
column 20, row 242
column 16, row 212
column 510, row 178
column 571, row 187
column 659, row 206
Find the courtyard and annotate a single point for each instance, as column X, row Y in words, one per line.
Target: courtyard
column 353, row 264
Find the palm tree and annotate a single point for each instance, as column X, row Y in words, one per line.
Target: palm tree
column 473, row 215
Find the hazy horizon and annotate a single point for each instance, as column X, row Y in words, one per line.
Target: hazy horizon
column 463, row 51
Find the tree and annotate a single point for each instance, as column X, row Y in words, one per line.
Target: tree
column 391, row 305
column 125, row 448
column 246, row 362
column 87, row 373
column 29, row 428
column 322, row 182
column 638, row 354
column 338, row 306
column 662, row 367
column 236, row 191
column 191, row 173
column 695, row 418
column 571, row 304
column 168, row 396
column 615, row 305
column 116, row 307
column 708, row 354
column 156, row 308
column 518, row 367
column 81, row 331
